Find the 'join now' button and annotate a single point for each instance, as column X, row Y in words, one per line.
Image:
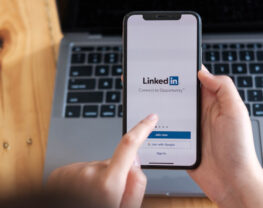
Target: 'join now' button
column 170, row 135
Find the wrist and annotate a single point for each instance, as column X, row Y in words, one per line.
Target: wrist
column 250, row 192
column 245, row 190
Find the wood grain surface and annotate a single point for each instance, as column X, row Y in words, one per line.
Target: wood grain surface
column 29, row 40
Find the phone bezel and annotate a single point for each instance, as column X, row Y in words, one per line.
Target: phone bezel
column 199, row 59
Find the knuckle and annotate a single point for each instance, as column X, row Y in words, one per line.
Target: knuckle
column 105, row 186
column 141, row 179
column 129, row 139
column 226, row 79
column 86, row 172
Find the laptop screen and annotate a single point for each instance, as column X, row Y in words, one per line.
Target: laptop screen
column 101, row 16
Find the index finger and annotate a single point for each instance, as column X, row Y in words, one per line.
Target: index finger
column 126, row 151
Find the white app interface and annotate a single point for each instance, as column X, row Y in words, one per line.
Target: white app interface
column 162, row 79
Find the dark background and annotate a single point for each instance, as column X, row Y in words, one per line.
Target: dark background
column 105, row 16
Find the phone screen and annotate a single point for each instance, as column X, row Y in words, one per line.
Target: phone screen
column 161, row 77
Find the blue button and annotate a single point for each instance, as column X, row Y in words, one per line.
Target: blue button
column 170, row 135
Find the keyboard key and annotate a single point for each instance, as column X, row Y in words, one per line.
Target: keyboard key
column 111, row 58
column 90, row 111
column 229, row 56
column 72, row 111
column 76, row 49
column 107, row 111
column 85, row 97
column 216, row 46
column 81, row 84
column 78, row 58
column 118, row 84
column 250, row 45
column 77, row 71
column 117, row 48
column 113, row 97
column 259, row 81
column 260, row 55
column 221, row 69
column 258, row 109
column 255, row 95
column 116, row 70
column 244, row 81
column 105, row 83
column 239, row 68
column 102, row 70
column 258, row 45
column 233, row 46
column 246, row 55
column 248, row 108
column 103, row 48
column 237, row 46
column 94, row 58
column 222, row 46
column 120, row 113
column 256, row 68
column 80, row 48
column 242, row 94
column 206, row 46
column 212, row 56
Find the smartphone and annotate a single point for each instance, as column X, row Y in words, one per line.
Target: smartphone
column 162, row 56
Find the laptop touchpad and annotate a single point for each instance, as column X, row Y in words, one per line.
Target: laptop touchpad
column 257, row 141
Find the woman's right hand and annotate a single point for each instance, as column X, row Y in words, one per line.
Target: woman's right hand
column 116, row 182
column 229, row 173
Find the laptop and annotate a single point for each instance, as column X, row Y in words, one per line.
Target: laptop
column 86, row 121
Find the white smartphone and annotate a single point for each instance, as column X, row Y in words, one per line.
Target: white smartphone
column 162, row 56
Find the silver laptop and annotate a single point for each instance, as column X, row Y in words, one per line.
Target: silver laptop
column 86, row 121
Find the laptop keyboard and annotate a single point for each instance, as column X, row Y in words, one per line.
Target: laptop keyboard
column 244, row 64
column 94, row 85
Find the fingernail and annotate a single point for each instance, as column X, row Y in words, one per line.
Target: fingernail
column 204, row 70
column 152, row 117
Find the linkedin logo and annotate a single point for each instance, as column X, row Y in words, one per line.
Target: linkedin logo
column 172, row 80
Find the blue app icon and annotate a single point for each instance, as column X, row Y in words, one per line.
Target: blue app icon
column 173, row 80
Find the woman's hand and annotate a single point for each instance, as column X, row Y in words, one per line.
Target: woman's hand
column 229, row 172
column 117, row 182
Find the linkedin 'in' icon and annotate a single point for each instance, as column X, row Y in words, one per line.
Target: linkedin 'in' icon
column 173, row 80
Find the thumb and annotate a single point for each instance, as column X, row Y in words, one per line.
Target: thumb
column 135, row 187
column 222, row 86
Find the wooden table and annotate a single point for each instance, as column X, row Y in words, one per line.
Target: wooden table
column 30, row 34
